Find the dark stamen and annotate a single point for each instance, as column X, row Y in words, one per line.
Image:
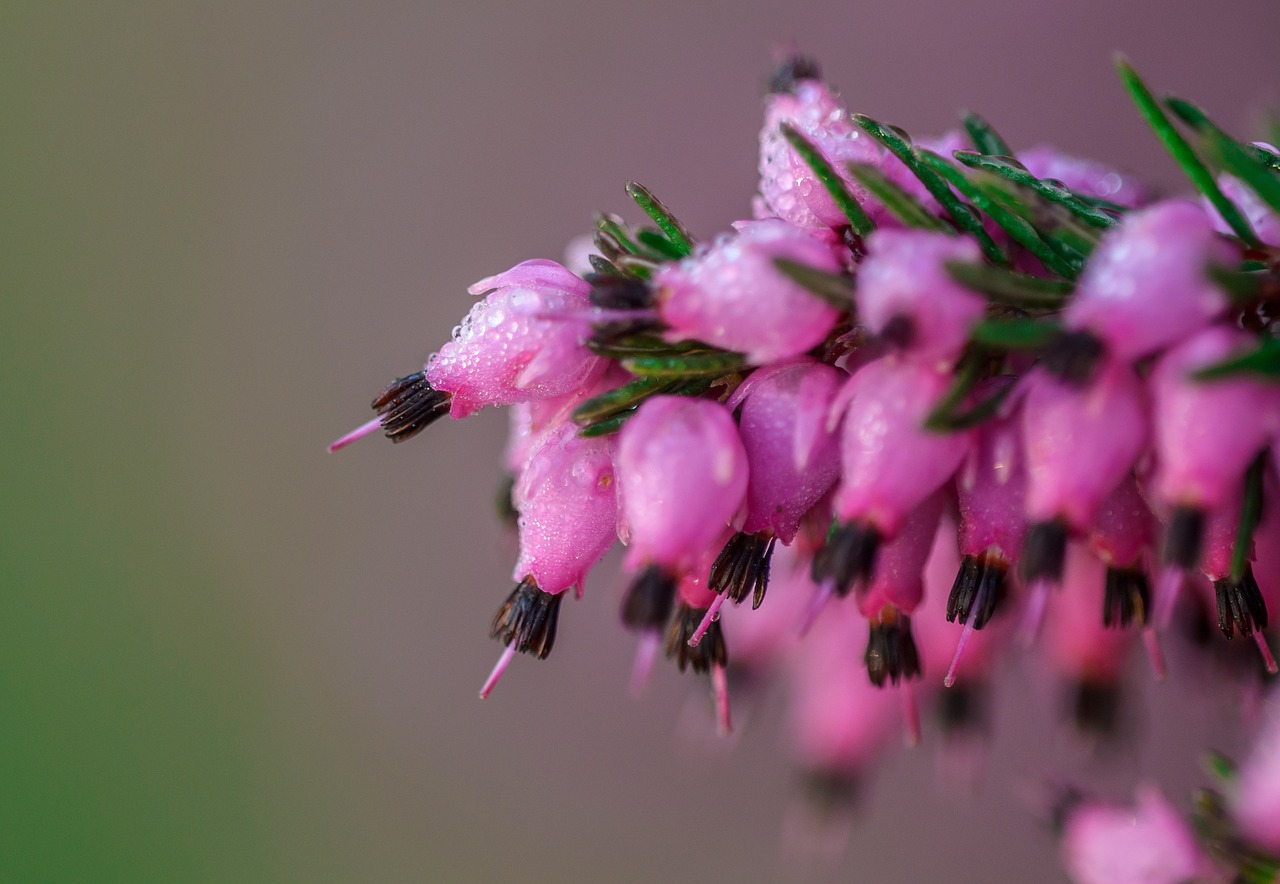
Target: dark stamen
column 607, row 334
column 963, row 709
column 899, row 332
column 1072, row 357
column 616, row 292
column 649, row 600
column 791, row 72
column 409, row 406
column 527, row 619
column 848, row 557
column 709, row 652
column 742, row 568
column 1043, row 552
column 980, row 587
column 1184, row 538
column 830, row 791
column 1241, row 607
column 1127, row 598
column 1096, row 706
column 891, row 650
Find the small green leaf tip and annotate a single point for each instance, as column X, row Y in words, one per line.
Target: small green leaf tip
column 823, row 171
column 661, row 215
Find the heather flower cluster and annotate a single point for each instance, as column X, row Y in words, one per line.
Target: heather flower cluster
column 935, row 404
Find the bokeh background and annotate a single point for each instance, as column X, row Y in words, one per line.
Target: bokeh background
column 228, row 656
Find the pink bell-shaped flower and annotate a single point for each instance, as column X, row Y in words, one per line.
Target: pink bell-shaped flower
column 891, row 464
column 567, row 501
column 1146, row 286
column 1147, row 843
column 905, row 294
column 788, row 188
column 731, row 295
column 1255, row 793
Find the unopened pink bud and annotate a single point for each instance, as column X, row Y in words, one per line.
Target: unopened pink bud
column 731, row 294
column 788, row 187
column 525, row 340
column 904, row 289
column 682, row 475
column 992, row 488
column 1146, row 286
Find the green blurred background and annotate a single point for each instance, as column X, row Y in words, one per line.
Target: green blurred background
column 228, row 656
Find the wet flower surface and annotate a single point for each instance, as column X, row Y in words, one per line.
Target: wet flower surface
column 934, row 395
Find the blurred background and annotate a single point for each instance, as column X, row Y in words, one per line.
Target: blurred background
column 226, row 655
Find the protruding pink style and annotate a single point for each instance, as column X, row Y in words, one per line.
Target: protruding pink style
column 731, row 294
column 788, row 188
column 524, row 340
column 794, row 458
column 1207, row 432
column 682, row 473
column 567, row 500
column 1145, row 288
column 1084, row 176
column 904, row 292
column 890, row 462
column 1080, row 442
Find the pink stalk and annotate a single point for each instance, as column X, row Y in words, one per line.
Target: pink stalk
column 712, row 615
column 500, row 667
column 720, row 690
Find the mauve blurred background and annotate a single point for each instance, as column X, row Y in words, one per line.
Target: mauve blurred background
column 226, row 655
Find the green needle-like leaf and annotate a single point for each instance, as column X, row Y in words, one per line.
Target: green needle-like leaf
column 947, row 417
column 1017, row 227
column 661, row 215
column 1264, row 360
column 1250, row 514
column 606, row 427
column 1054, row 193
column 905, row 207
column 685, row 365
column 1241, row 286
column 619, row 399
column 1181, row 151
column 964, row 216
column 1015, row 333
column 984, row 136
column 1258, row 168
column 659, row 243
column 1010, row 288
column 823, row 171
column 1220, row 766
column 833, row 288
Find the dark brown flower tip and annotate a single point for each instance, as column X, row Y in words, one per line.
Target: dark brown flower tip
column 1072, row 357
column 527, row 619
column 792, row 71
column 1095, row 706
column 742, row 568
column 1127, row 598
column 710, row 651
column 891, row 650
column 649, row 600
column 1184, row 538
column 898, row 333
column 848, row 557
column 409, row 406
column 1043, row 552
column 979, row 588
column 1241, row 607
column 963, row 710
column 615, row 292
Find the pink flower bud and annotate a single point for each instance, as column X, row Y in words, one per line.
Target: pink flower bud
column 1080, row 442
column 1145, row 287
column 904, row 290
column 568, row 509
column 899, row 575
column 682, row 475
column 1085, row 177
column 891, row 463
column 794, row 459
column 1207, row 432
column 1145, row 844
column 1265, row 222
column 732, row 296
column 992, row 488
column 788, row 187
column 1255, row 796
column 523, row 341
